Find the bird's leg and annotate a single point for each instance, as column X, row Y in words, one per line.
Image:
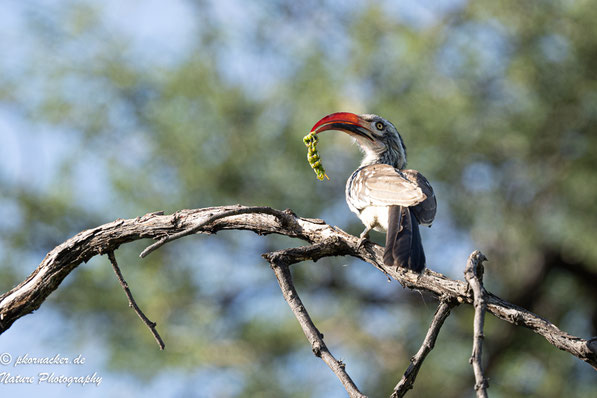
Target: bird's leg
column 364, row 237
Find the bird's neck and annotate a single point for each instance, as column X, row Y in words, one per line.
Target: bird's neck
column 386, row 157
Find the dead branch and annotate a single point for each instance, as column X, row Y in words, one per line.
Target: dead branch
column 133, row 304
column 331, row 241
column 197, row 227
column 408, row 378
column 474, row 276
column 280, row 262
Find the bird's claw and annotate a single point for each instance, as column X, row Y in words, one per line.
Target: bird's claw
column 363, row 239
column 362, row 242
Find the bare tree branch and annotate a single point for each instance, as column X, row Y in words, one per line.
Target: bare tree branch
column 474, row 275
column 196, row 228
column 279, row 262
column 409, row 376
column 133, row 304
column 58, row 263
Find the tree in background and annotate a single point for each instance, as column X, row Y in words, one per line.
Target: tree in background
column 495, row 102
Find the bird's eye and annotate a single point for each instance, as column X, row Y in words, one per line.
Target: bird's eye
column 379, row 126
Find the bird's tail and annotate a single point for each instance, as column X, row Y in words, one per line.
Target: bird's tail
column 403, row 240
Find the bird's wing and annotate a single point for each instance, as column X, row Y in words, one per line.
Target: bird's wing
column 424, row 211
column 383, row 185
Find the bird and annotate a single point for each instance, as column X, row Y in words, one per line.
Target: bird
column 381, row 192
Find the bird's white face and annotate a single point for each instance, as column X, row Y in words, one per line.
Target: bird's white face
column 386, row 141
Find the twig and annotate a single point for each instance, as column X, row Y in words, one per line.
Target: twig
column 474, row 275
column 151, row 325
column 409, row 376
column 209, row 220
column 279, row 263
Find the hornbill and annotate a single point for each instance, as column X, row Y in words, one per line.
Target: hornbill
column 385, row 196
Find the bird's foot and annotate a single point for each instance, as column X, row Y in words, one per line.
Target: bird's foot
column 363, row 239
column 362, row 242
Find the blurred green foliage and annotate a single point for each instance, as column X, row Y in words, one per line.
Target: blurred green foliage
column 496, row 102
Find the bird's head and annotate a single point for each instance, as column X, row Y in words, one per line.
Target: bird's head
column 377, row 137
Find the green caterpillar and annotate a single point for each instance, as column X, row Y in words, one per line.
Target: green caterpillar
column 310, row 141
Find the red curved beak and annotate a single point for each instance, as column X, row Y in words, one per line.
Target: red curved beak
column 344, row 121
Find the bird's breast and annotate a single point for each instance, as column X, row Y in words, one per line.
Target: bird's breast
column 375, row 217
